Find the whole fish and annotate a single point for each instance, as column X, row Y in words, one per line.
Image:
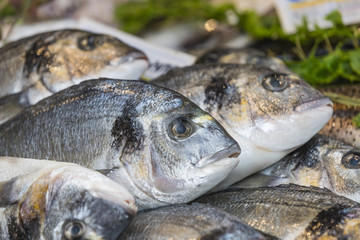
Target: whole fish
column 291, row 211
column 341, row 125
column 159, row 145
column 243, row 56
column 196, row 221
column 36, row 67
column 268, row 113
column 42, row 199
column 322, row 162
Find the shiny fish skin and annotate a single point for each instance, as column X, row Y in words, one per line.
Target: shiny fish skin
column 243, row 56
column 42, row 199
column 148, row 138
column 322, row 162
column 267, row 121
column 196, row 221
column 341, row 125
column 36, row 67
column 291, row 211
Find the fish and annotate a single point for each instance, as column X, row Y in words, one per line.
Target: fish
column 195, row 221
column 155, row 142
column 43, row 199
column 291, row 211
column 35, row 67
column 322, row 162
column 268, row 113
column 243, row 56
column 341, row 125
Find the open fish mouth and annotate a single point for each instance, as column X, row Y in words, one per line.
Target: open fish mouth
column 320, row 102
column 232, row 151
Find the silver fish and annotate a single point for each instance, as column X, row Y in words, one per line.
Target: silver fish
column 322, row 162
column 196, row 221
column 36, row 67
column 244, row 56
column 162, row 147
column 42, row 199
column 268, row 113
column 291, row 211
column 341, row 125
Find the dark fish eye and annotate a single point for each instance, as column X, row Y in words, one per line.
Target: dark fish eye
column 181, row 128
column 275, row 82
column 351, row 160
column 74, row 230
column 88, row 43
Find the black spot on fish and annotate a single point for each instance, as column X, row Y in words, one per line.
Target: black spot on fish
column 15, row 230
column 221, row 92
column 38, row 58
column 127, row 132
column 328, row 221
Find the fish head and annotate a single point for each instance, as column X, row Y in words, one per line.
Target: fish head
column 277, row 112
column 185, row 151
column 342, row 164
column 66, row 57
column 76, row 203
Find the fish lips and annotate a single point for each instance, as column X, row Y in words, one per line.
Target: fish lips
column 308, row 105
column 230, row 152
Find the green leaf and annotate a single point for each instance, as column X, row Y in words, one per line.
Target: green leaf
column 355, row 60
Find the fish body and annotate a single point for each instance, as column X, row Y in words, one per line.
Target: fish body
column 42, row 199
column 196, row 221
column 291, row 211
column 36, row 67
column 162, row 147
column 341, row 125
column 322, row 162
column 269, row 113
column 243, row 56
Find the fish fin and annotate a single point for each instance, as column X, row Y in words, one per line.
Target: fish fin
column 260, row 180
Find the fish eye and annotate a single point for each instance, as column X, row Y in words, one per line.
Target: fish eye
column 181, row 128
column 275, row 82
column 74, row 230
column 351, row 160
column 89, row 42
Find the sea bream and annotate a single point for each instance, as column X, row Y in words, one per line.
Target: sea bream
column 291, row 211
column 322, row 162
column 36, row 67
column 268, row 113
column 41, row 199
column 162, row 147
column 195, row 221
column 341, row 125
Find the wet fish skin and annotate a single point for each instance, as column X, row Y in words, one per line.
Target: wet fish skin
column 243, row 56
column 196, row 221
column 322, row 162
column 43, row 64
column 291, row 211
column 262, row 118
column 42, row 199
column 341, row 125
column 148, row 138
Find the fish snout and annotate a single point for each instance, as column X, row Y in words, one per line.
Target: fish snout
column 131, row 57
column 312, row 104
column 233, row 151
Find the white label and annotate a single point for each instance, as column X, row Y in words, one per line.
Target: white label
column 291, row 12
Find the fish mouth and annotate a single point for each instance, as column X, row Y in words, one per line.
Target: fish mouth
column 232, row 151
column 129, row 58
column 320, row 102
